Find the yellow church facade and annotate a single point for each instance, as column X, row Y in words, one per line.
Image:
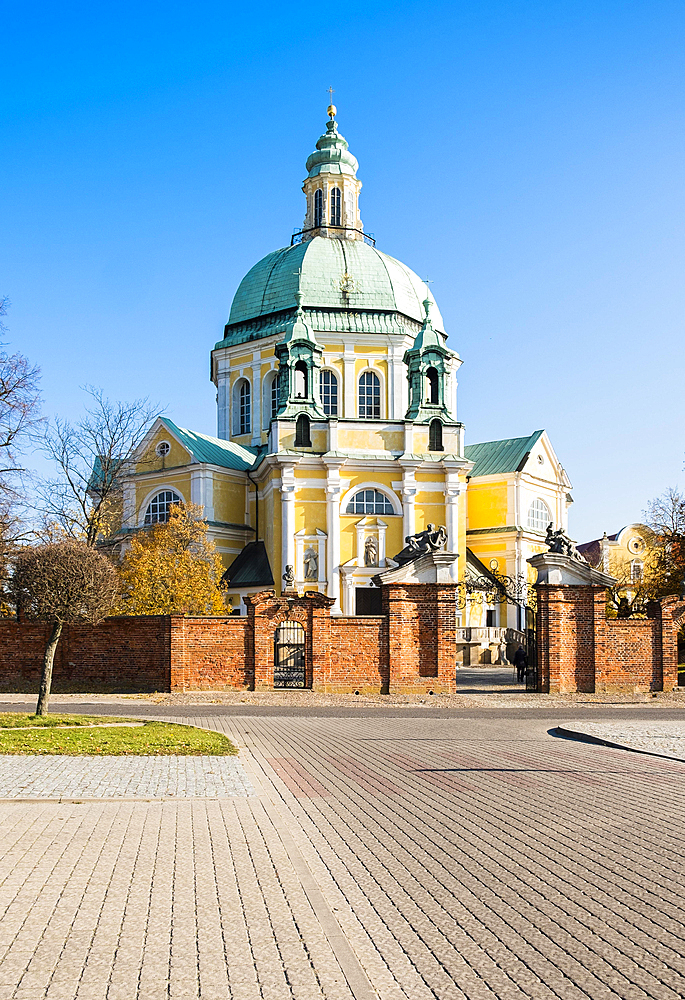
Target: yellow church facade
column 337, row 430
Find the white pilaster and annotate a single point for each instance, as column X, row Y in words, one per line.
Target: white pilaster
column 409, row 490
column 222, row 407
column 334, row 490
column 287, row 516
column 202, row 491
column 350, row 382
column 129, row 511
column 453, row 490
column 256, row 414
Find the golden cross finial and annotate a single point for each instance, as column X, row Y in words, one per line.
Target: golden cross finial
column 331, row 107
column 330, row 94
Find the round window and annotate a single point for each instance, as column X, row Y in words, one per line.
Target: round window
column 163, row 449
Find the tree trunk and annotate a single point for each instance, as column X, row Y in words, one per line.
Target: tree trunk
column 46, row 676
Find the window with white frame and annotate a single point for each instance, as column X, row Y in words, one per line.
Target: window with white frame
column 637, row 571
column 329, row 393
column 336, row 207
column 244, row 407
column 163, row 449
column 158, row 509
column 369, row 502
column 370, row 395
column 318, row 207
column 274, row 395
column 539, row 515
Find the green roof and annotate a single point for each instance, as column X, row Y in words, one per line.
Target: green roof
column 492, row 458
column 213, row 450
column 373, row 281
column 250, row 568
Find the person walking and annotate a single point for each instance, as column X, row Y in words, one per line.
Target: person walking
column 520, row 662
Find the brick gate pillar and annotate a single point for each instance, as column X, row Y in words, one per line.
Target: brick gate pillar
column 419, row 645
column 570, row 596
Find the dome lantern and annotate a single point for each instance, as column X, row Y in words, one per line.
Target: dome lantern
column 332, row 188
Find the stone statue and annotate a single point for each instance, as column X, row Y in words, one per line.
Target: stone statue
column 289, row 577
column 430, row 540
column 311, row 565
column 560, row 543
column 371, row 551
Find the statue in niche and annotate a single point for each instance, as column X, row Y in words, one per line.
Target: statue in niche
column 371, row 551
column 430, row 540
column 311, row 564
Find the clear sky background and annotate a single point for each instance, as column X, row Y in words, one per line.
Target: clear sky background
column 528, row 157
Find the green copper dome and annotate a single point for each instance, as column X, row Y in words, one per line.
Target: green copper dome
column 332, row 274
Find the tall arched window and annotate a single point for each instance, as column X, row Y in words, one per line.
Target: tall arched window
column 329, row 393
column 432, row 386
column 274, row 396
column 158, row 509
column 318, row 207
column 539, row 515
column 302, row 432
column 369, row 502
column 336, row 207
column 370, row 395
column 435, row 435
column 301, row 379
column 244, row 407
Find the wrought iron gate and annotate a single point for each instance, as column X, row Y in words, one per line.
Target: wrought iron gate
column 532, row 650
column 289, row 656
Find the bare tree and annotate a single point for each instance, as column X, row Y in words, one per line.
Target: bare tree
column 19, row 402
column 19, row 414
column 61, row 583
column 92, row 456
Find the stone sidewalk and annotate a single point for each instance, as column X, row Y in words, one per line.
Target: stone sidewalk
column 422, row 858
column 663, row 739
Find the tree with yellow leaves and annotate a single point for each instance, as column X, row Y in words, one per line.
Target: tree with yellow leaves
column 172, row 568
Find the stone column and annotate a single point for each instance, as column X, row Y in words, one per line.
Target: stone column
column 409, row 490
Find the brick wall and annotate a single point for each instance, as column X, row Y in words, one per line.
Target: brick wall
column 355, row 657
column 210, row 654
column 419, row 651
column 580, row 649
column 121, row 654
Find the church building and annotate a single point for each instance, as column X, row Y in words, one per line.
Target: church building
column 337, row 428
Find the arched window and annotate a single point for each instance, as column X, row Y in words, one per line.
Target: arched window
column 244, row 407
column 435, row 436
column 369, row 395
column 432, row 386
column 329, row 393
column 158, row 509
column 274, row 396
column 539, row 515
column 336, row 207
column 369, row 502
column 318, row 207
column 301, row 379
column 302, row 434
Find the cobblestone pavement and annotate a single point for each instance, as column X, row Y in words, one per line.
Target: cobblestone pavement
column 48, row 776
column 379, row 857
column 667, row 739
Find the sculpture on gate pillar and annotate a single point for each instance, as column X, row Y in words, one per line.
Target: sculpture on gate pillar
column 559, row 543
column 431, row 540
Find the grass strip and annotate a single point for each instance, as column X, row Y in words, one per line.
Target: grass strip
column 83, row 739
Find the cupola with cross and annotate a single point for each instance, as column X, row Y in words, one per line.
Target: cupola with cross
column 332, row 188
column 429, row 372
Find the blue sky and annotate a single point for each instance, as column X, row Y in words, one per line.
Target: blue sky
column 528, row 157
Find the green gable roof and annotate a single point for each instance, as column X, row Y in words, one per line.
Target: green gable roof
column 495, row 457
column 213, row 450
